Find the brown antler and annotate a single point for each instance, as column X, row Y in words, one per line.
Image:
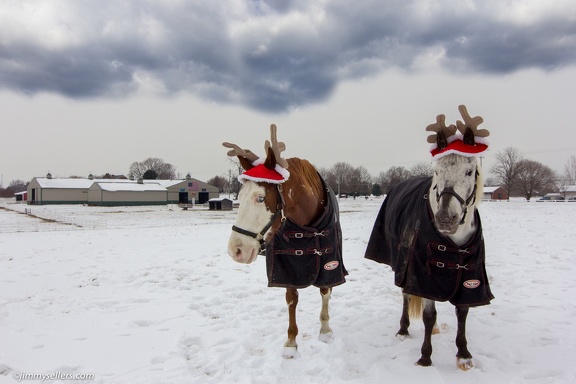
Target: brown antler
column 237, row 151
column 469, row 128
column 277, row 147
column 442, row 132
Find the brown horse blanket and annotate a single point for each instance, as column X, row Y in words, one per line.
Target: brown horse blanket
column 425, row 263
column 300, row 256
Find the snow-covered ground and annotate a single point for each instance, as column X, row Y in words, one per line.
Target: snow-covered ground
column 149, row 295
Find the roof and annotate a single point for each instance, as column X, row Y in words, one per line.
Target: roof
column 76, row 183
column 491, row 189
column 133, row 187
column 86, row 183
column 568, row 188
column 219, row 199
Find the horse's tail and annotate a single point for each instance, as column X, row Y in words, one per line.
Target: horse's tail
column 416, row 307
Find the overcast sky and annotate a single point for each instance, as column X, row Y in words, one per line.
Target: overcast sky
column 92, row 86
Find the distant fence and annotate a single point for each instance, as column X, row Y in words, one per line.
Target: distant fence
column 60, row 220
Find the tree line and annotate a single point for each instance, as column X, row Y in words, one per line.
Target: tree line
column 151, row 168
column 523, row 177
column 518, row 175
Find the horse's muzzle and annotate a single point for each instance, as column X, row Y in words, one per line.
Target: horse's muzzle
column 242, row 249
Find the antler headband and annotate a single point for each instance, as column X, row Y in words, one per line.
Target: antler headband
column 464, row 138
column 273, row 169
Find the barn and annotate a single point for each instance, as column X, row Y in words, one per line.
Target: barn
column 21, row 196
column 188, row 191
column 569, row 192
column 220, row 204
column 48, row 190
column 495, row 193
column 115, row 194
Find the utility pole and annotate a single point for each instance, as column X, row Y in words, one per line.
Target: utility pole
column 229, row 183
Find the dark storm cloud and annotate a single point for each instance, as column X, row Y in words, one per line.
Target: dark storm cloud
column 269, row 55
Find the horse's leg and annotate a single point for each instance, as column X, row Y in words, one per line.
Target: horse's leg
column 463, row 357
column 405, row 318
column 291, row 347
column 326, row 334
column 429, row 317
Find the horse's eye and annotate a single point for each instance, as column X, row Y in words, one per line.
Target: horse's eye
column 469, row 173
column 260, row 199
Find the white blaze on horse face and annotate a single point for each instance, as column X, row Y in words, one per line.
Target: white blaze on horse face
column 252, row 216
column 453, row 174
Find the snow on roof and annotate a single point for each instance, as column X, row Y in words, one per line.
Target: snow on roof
column 490, row 189
column 165, row 183
column 76, row 183
column 86, row 183
column 568, row 188
column 134, row 187
column 219, row 199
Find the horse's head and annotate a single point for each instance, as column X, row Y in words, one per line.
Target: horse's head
column 261, row 204
column 456, row 188
column 457, row 184
column 259, row 210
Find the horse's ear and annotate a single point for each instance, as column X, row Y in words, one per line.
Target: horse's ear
column 245, row 163
column 270, row 162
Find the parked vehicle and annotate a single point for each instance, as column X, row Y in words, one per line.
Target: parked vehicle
column 551, row 197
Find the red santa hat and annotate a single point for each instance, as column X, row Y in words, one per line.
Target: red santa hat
column 259, row 173
column 457, row 145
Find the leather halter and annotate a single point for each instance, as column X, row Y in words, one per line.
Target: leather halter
column 464, row 203
column 260, row 236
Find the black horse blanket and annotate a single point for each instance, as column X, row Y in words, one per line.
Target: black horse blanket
column 300, row 256
column 425, row 263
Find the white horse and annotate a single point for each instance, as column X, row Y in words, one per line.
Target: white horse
column 429, row 231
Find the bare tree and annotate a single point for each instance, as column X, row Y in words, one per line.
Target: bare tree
column 360, row 181
column 421, row 170
column 535, row 177
column 340, row 177
column 218, row 181
column 393, row 176
column 506, row 168
column 164, row 171
column 18, row 185
column 570, row 171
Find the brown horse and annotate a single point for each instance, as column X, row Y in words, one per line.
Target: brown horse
column 287, row 212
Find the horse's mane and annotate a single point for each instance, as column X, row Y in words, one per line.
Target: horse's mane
column 479, row 186
column 303, row 172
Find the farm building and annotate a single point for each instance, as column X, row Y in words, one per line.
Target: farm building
column 220, row 204
column 127, row 194
column 495, row 193
column 46, row 190
column 569, row 192
column 21, row 196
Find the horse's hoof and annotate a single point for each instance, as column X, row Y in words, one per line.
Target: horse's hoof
column 327, row 337
column 402, row 336
column 464, row 364
column 290, row 353
column 424, row 362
